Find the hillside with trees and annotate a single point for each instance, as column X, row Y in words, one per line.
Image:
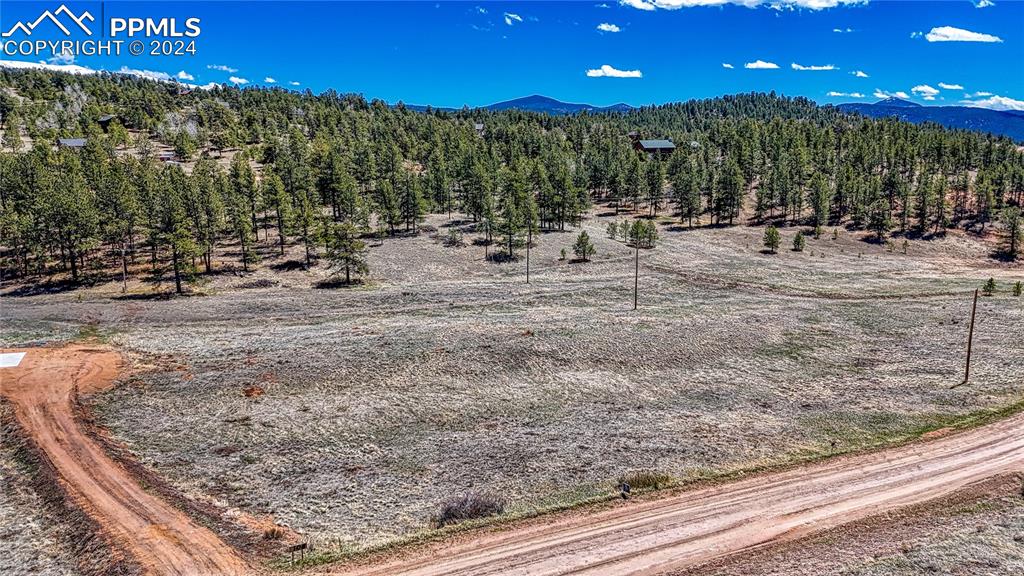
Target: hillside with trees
column 322, row 171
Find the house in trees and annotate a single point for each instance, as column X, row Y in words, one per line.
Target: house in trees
column 655, row 148
column 73, row 143
column 479, row 127
column 104, row 121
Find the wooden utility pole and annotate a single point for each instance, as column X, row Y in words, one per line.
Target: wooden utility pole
column 529, row 240
column 970, row 338
column 636, row 274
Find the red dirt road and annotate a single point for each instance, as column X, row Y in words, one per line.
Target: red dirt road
column 162, row 539
column 660, row 536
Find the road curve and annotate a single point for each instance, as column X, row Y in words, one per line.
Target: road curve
column 660, row 536
column 162, row 539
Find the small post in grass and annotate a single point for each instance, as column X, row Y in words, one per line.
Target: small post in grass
column 970, row 338
column 529, row 240
column 636, row 273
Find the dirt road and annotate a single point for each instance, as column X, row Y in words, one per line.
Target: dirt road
column 660, row 536
column 159, row 537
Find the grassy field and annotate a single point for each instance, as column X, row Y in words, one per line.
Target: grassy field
column 350, row 415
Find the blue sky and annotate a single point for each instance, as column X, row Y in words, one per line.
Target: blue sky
column 652, row 51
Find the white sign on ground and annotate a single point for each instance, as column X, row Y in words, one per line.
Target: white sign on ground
column 11, row 359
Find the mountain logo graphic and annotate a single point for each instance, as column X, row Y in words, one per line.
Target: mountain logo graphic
column 26, row 28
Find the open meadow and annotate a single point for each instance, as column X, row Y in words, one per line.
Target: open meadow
column 350, row 415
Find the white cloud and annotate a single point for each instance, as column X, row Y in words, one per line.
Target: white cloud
column 883, row 94
column 945, row 86
column 601, row 6
column 237, row 80
column 76, row 69
column 64, row 58
column 842, row 30
column 69, row 68
column 924, row 90
column 638, row 4
column 607, row 71
column 859, row 74
column 650, row 5
column 951, row 34
column 984, row 4
column 151, row 75
column 996, row 103
column 184, row 76
column 293, row 83
column 835, row 94
column 796, row 66
column 761, row 65
column 270, row 80
column 978, row 95
column 222, row 68
column 481, row 10
column 727, row 65
column 917, row 34
column 606, row 27
column 510, row 18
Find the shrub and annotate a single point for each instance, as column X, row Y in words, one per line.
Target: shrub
column 467, row 507
column 1017, row 288
column 562, row 254
column 613, row 230
column 641, row 479
column 454, row 238
column 989, row 288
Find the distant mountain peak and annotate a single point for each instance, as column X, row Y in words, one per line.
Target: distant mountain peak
column 549, row 105
column 897, row 102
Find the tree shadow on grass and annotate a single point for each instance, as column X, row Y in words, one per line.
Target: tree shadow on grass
column 289, row 266
column 336, row 283
column 43, row 288
column 1002, row 255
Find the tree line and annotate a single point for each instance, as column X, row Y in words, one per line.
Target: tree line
column 324, row 171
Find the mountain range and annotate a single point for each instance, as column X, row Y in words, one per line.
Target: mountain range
column 1007, row 123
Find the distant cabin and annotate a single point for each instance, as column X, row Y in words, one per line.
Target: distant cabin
column 655, row 147
column 74, row 143
column 104, row 121
column 634, row 136
column 479, row 127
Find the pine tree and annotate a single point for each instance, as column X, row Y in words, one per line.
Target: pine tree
column 772, row 239
column 820, row 200
column 1013, row 221
column 345, row 251
column 799, row 242
column 990, row 287
column 280, row 203
column 583, row 247
column 654, row 182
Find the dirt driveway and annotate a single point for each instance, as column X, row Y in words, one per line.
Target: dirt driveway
column 160, row 538
column 664, row 535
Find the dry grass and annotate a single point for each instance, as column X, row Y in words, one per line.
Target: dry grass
column 447, row 374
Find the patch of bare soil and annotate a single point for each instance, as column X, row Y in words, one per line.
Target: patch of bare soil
column 43, row 390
